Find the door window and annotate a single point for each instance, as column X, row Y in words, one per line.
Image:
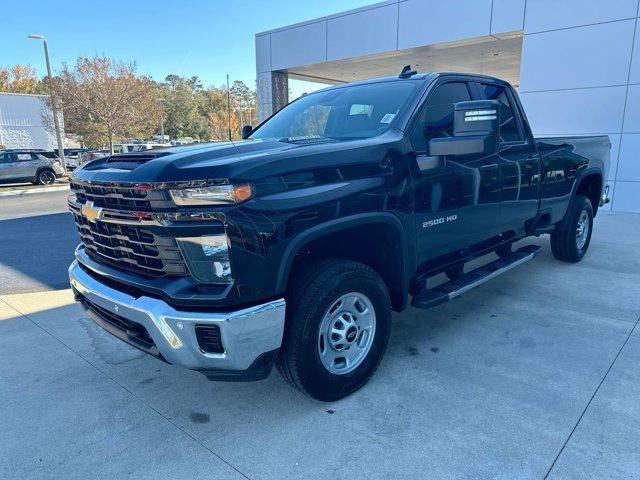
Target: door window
column 5, row 158
column 436, row 118
column 509, row 129
column 24, row 157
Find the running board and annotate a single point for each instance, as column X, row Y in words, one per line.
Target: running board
column 445, row 292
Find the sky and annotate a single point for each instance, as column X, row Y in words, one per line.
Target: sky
column 188, row 37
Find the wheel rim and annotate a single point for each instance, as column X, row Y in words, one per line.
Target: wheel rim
column 346, row 333
column 582, row 230
column 47, row 178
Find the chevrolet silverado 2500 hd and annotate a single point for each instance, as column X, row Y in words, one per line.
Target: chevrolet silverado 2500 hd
column 294, row 245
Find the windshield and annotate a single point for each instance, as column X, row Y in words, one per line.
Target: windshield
column 350, row 112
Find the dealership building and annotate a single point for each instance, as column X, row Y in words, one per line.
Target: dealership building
column 576, row 63
column 25, row 122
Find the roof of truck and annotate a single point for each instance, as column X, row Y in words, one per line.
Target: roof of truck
column 417, row 76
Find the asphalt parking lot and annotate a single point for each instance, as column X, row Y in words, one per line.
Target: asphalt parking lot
column 532, row 375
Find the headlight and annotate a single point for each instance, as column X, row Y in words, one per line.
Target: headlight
column 207, row 258
column 211, row 195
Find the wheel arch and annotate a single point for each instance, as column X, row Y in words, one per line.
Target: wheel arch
column 340, row 238
column 590, row 184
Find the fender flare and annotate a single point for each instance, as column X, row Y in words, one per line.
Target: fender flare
column 325, row 228
column 585, row 173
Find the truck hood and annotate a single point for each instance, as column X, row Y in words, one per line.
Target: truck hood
column 246, row 160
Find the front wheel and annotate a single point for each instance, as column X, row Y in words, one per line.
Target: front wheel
column 571, row 239
column 338, row 324
column 46, row 177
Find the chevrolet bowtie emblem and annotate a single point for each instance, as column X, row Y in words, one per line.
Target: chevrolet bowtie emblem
column 91, row 213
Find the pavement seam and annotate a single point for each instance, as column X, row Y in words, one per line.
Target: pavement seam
column 615, row 359
column 130, row 392
column 31, row 191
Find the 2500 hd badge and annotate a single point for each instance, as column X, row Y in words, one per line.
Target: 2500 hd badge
column 438, row 221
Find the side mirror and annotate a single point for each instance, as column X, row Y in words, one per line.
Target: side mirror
column 476, row 130
column 246, row 131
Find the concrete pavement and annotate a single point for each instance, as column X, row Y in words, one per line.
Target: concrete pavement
column 531, row 375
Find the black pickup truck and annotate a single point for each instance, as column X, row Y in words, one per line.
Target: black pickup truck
column 294, row 245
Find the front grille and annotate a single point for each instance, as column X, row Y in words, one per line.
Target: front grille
column 122, row 198
column 209, row 338
column 130, row 248
column 125, row 245
column 135, row 332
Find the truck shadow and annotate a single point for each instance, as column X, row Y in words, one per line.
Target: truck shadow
column 35, row 252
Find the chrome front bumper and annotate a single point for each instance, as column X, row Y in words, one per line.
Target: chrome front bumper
column 247, row 335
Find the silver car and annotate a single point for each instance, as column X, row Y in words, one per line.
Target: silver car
column 21, row 165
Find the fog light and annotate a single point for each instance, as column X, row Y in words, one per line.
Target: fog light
column 207, row 258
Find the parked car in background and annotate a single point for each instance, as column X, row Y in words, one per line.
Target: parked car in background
column 72, row 156
column 89, row 155
column 29, row 165
column 138, row 146
column 148, row 146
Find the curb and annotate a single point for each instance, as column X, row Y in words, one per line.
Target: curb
column 29, row 191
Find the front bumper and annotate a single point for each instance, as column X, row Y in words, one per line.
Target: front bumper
column 251, row 336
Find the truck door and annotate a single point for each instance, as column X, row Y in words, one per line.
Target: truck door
column 518, row 159
column 459, row 205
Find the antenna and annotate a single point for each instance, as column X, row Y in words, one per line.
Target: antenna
column 407, row 72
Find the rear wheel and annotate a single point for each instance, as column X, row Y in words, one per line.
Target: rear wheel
column 338, row 323
column 570, row 240
column 46, row 177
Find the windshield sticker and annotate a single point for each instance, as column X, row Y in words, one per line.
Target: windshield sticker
column 388, row 118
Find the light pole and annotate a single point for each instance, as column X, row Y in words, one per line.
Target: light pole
column 53, row 102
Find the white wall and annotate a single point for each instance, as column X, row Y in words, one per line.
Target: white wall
column 580, row 74
column 383, row 27
column 21, row 122
column 387, row 26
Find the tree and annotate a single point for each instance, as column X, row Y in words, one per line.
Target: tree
column 183, row 101
column 104, row 100
column 244, row 102
column 20, row 79
column 192, row 111
column 217, row 114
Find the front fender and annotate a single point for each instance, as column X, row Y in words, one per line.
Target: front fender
column 320, row 230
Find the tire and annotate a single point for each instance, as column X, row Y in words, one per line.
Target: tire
column 316, row 305
column 569, row 240
column 46, row 177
